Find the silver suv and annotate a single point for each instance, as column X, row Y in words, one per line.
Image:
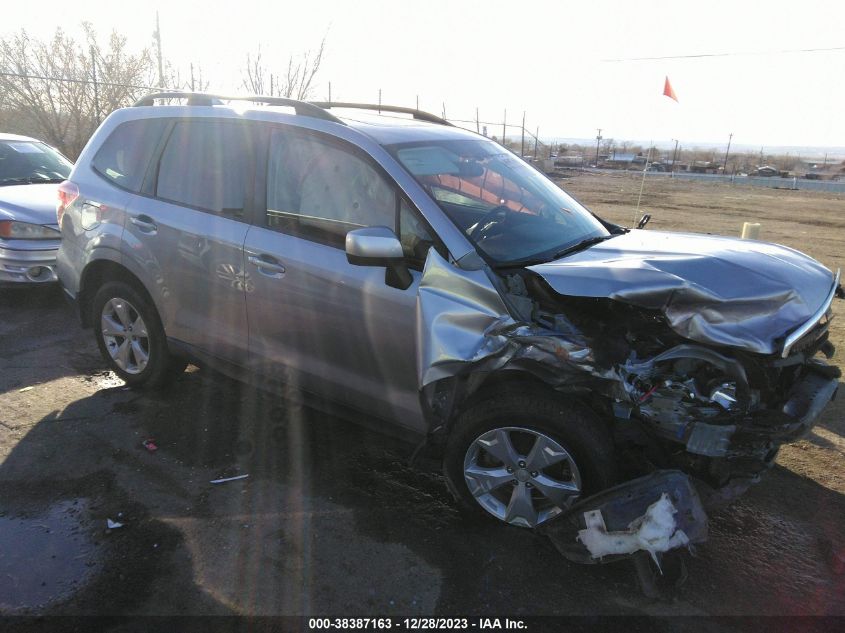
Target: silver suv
column 421, row 278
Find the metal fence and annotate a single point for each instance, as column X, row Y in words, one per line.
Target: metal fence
column 834, row 186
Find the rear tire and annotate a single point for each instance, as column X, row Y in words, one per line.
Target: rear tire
column 559, row 451
column 131, row 338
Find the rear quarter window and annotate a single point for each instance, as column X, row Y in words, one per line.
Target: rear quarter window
column 125, row 155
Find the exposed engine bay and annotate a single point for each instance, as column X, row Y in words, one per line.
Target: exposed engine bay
column 687, row 402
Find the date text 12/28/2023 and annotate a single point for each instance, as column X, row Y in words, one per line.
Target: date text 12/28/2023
column 416, row 624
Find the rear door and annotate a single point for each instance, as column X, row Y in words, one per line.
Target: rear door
column 186, row 234
column 315, row 320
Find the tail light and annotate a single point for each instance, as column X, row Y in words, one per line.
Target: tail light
column 68, row 192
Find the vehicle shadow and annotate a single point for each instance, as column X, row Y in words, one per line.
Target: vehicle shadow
column 37, row 319
column 330, row 520
column 333, row 520
column 778, row 550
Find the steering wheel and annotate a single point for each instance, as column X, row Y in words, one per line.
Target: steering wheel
column 488, row 218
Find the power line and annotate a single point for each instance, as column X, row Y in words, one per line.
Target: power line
column 726, row 54
column 78, row 81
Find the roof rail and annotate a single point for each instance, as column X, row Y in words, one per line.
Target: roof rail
column 417, row 114
column 205, row 99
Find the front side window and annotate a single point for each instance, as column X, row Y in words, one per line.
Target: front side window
column 415, row 235
column 206, row 165
column 125, row 155
column 320, row 191
column 507, row 209
column 31, row 162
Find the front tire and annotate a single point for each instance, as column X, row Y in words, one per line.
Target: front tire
column 526, row 455
column 130, row 336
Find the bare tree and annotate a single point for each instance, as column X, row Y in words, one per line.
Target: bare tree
column 297, row 80
column 254, row 82
column 60, row 89
column 172, row 78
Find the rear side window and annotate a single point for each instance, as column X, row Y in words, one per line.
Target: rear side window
column 206, row 165
column 126, row 153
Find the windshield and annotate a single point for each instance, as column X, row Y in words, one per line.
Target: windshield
column 512, row 213
column 30, row 162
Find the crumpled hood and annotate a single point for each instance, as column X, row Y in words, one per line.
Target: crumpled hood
column 29, row 203
column 716, row 290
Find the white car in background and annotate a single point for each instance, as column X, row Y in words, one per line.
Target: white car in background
column 30, row 173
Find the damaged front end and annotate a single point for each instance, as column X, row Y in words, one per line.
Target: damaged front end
column 668, row 366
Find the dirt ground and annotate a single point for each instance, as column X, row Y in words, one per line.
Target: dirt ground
column 331, row 521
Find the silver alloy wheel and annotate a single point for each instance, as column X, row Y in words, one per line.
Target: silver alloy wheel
column 521, row 476
column 125, row 335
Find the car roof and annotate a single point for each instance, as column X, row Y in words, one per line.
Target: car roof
column 385, row 128
column 389, row 129
column 7, row 136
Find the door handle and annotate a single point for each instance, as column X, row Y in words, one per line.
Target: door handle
column 144, row 223
column 266, row 263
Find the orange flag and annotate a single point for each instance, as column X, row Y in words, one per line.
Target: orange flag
column 668, row 92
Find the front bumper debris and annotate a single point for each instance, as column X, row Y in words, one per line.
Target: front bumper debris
column 808, row 400
column 626, row 518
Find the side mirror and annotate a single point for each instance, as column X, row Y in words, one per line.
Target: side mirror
column 379, row 246
column 643, row 221
column 373, row 246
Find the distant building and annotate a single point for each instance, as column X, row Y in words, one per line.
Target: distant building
column 569, row 161
column 820, row 170
column 705, row 167
column 625, row 161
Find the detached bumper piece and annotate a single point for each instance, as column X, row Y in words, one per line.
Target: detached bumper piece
column 654, row 514
column 639, row 521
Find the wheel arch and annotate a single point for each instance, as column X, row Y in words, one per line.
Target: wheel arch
column 445, row 400
column 101, row 271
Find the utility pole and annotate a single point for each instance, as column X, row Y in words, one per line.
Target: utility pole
column 504, row 125
column 674, row 154
column 598, row 140
column 157, row 38
column 536, row 143
column 192, row 77
column 728, row 151
column 522, row 151
column 96, row 87
column 379, row 100
column 477, row 124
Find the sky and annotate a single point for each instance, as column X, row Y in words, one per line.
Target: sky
column 550, row 60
